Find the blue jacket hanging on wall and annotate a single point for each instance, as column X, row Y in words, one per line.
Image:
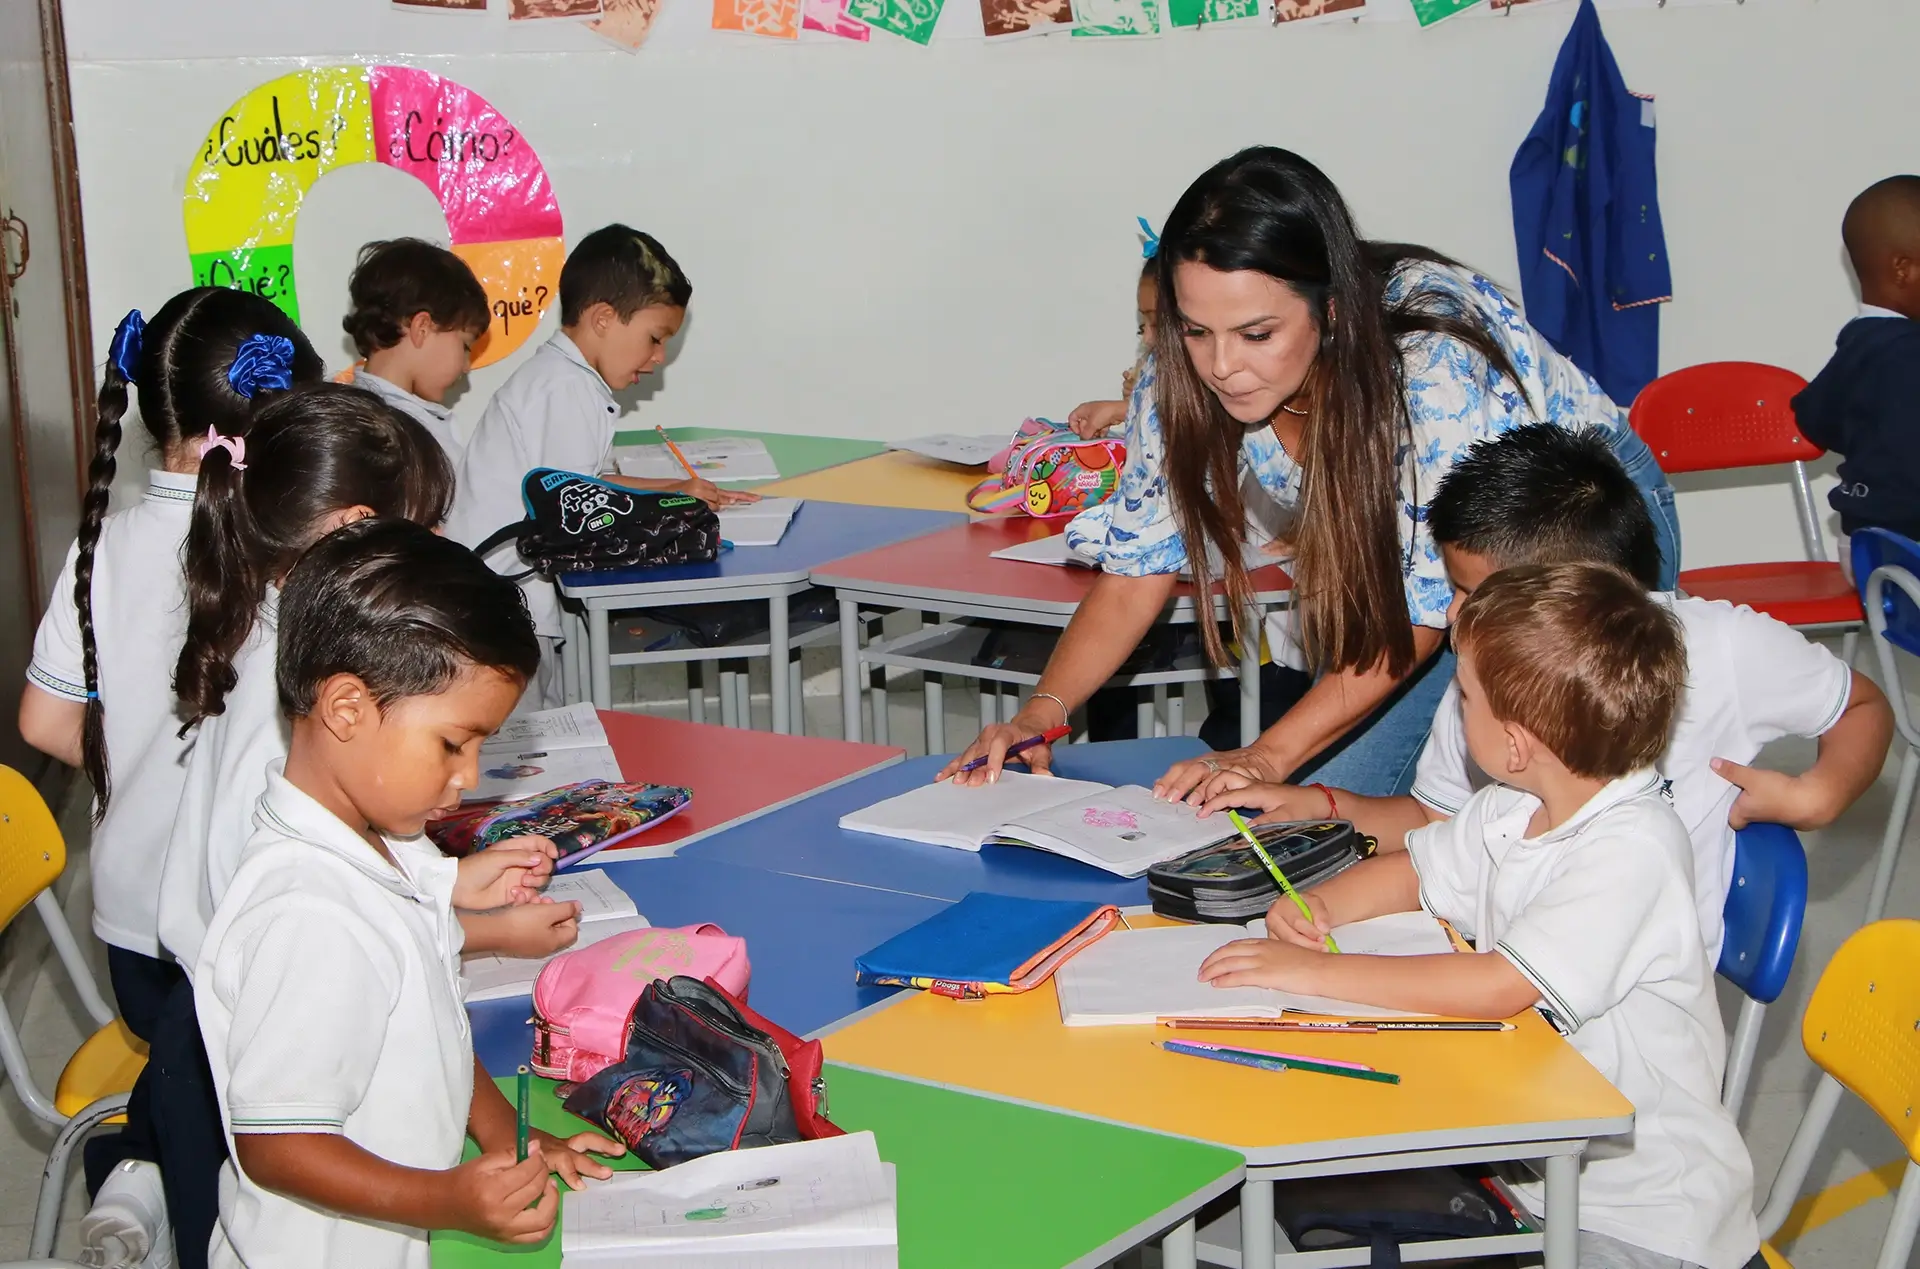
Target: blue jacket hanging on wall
column 1586, row 217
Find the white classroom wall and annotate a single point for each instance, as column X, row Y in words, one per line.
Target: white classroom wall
column 888, row 240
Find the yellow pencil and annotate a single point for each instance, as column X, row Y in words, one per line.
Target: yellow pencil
column 1281, row 877
column 678, row 457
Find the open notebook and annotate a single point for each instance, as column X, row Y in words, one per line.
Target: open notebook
column 1132, row 977
column 826, row 1204
column 761, row 523
column 605, row 910
column 1124, row 831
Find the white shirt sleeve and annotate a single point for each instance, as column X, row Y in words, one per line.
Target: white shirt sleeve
column 1444, row 778
column 306, row 969
column 58, row 666
column 1592, row 934
column 1448, row 860
column 1788, row 685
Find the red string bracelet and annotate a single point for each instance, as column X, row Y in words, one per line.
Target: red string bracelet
column 1333, row 807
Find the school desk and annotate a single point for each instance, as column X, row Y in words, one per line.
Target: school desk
column 980, row 1182
column 734, row 774
column 953, row 572
column 802, row 937
column 805, row 838
column 891, row 479
column 1463, row 1098
column 820, row 531
column 792, row 455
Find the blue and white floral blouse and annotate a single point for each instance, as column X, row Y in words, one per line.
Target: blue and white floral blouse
column 1454, row 398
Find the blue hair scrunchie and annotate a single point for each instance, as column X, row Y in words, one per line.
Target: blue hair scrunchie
column 128, row 339
column 1150, row 246
column 263, row 362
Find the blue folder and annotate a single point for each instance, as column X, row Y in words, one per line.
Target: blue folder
column 986, row 944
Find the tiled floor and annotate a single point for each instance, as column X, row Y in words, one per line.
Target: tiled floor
column 1840, row 859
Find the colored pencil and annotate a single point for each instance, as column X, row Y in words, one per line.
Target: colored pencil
column 1281, row 877
column 1336, row 1028
column 525, row 1111
column 678, row 457
column 1240, row 1058
column 1018, row 747
column 1302, row 1058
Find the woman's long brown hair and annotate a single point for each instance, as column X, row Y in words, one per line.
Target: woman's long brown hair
column 1271, row 211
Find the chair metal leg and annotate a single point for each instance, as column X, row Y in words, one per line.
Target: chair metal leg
column 1849, row 644
column 729, row 699
column 53, row 1177
column 696, row 693
column 1906, row 1220
column 1896, row 830
column 69, row 949
column 1799, row 1159
column 743, row 693
column 936, row 712
column 850, row 670
column 1177, row 1246
column 1746, row 1042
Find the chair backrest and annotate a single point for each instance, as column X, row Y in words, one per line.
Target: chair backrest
column 1898, row 612
column 1722, row 415
column 1863, row 1023
column 1765, row 905
column 32, row 852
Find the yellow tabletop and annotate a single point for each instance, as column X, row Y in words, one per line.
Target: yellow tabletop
column 893, row 479
column 1456, row 1089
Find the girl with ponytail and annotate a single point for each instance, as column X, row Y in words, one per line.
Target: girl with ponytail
column 99, row 692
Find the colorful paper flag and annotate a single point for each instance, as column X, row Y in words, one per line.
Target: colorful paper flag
column 831, row 16
column 1116, row 18
column 776, row 19
column 626, row 22
column 1204, row 12
column 1006, row 18
column 1428, row 12
column 910, row 19
column 1285, row 11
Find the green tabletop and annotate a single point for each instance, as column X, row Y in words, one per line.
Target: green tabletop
column 981, row 1182
column 793, row 455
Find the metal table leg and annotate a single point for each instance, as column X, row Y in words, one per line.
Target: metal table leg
column 777, row 673
column 1177, row 1250
column 850, row 675
column 696, row 692
column 599, row 652
column 1563, row 1211
column 1256, row 1224
column 936, row 713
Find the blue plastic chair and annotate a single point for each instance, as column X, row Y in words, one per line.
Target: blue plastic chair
column 1765, row 905
column 1886, row 567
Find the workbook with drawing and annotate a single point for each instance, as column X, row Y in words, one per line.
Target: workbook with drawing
column 761, row 523
column 813, row 1204
column 723, row 459
column 1132, row 977
column 605, row 910
column 1123, row 830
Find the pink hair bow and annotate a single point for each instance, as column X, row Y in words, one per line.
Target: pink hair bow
column 236, row 447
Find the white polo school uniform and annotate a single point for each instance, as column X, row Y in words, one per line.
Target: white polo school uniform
column 437, row 419
column 1598, row 914
column 139, row 623
column 226, row 778
column 554, row 411
column 1750, row 680
column 329, row 999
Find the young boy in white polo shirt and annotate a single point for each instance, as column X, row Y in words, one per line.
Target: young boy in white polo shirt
column 1543, row 495
column 416, row 311
column 1574, row 879
column 622, row 297
column 328, row 985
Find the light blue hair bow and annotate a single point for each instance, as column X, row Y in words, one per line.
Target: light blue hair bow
column 264, row 362
column 1150, row 244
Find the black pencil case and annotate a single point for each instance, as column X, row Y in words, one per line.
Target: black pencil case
column 1227, row 883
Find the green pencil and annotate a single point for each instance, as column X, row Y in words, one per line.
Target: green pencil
column 526, row 1110
column 1281, row 877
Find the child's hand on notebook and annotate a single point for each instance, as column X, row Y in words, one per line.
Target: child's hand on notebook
column 1277, row 803
column 1285, row 923
column 499, row 1198
column 1283, row 966
column 515, row 871
column 528, row 930
column 572, row 1157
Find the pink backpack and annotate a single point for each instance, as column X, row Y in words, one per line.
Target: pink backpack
column 583, row 999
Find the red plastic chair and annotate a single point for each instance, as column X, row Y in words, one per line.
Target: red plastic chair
column 1726, row 415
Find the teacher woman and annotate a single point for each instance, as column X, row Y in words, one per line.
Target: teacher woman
column 1346, row 376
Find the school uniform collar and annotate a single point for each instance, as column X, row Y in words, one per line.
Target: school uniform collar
column 1874, row 310
column 286, row 810
column 389, row 391
column 571, row 351
column 1632, row 785
column 170, row 486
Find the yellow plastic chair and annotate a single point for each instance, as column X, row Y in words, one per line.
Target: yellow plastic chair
column 1863, row 1029
column 93, row 1088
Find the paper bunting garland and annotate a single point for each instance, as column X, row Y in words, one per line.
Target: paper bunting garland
column 1116, row 18
column 910, row 19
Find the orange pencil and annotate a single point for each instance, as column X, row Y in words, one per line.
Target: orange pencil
column 678, row 457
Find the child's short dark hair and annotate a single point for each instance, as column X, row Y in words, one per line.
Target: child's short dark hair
column 400, row 607
column 400, row 277
column 1543, row 494
column 1581, row 656
column 623, row 268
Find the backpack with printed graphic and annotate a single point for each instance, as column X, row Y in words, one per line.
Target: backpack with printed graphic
column 576, row 523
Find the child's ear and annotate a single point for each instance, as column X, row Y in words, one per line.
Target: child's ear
column 420, row 328
column 1521, row 746
column 600, row 317
column 343, row 706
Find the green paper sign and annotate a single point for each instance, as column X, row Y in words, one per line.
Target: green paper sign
column 1430, row 11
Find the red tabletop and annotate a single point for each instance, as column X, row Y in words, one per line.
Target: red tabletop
column 735, row 774
column 957, row 563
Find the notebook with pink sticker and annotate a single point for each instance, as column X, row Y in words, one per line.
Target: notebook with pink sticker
column 1124, row 830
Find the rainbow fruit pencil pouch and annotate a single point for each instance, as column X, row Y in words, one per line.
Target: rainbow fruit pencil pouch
column 1048, row 472
column 986, row 944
